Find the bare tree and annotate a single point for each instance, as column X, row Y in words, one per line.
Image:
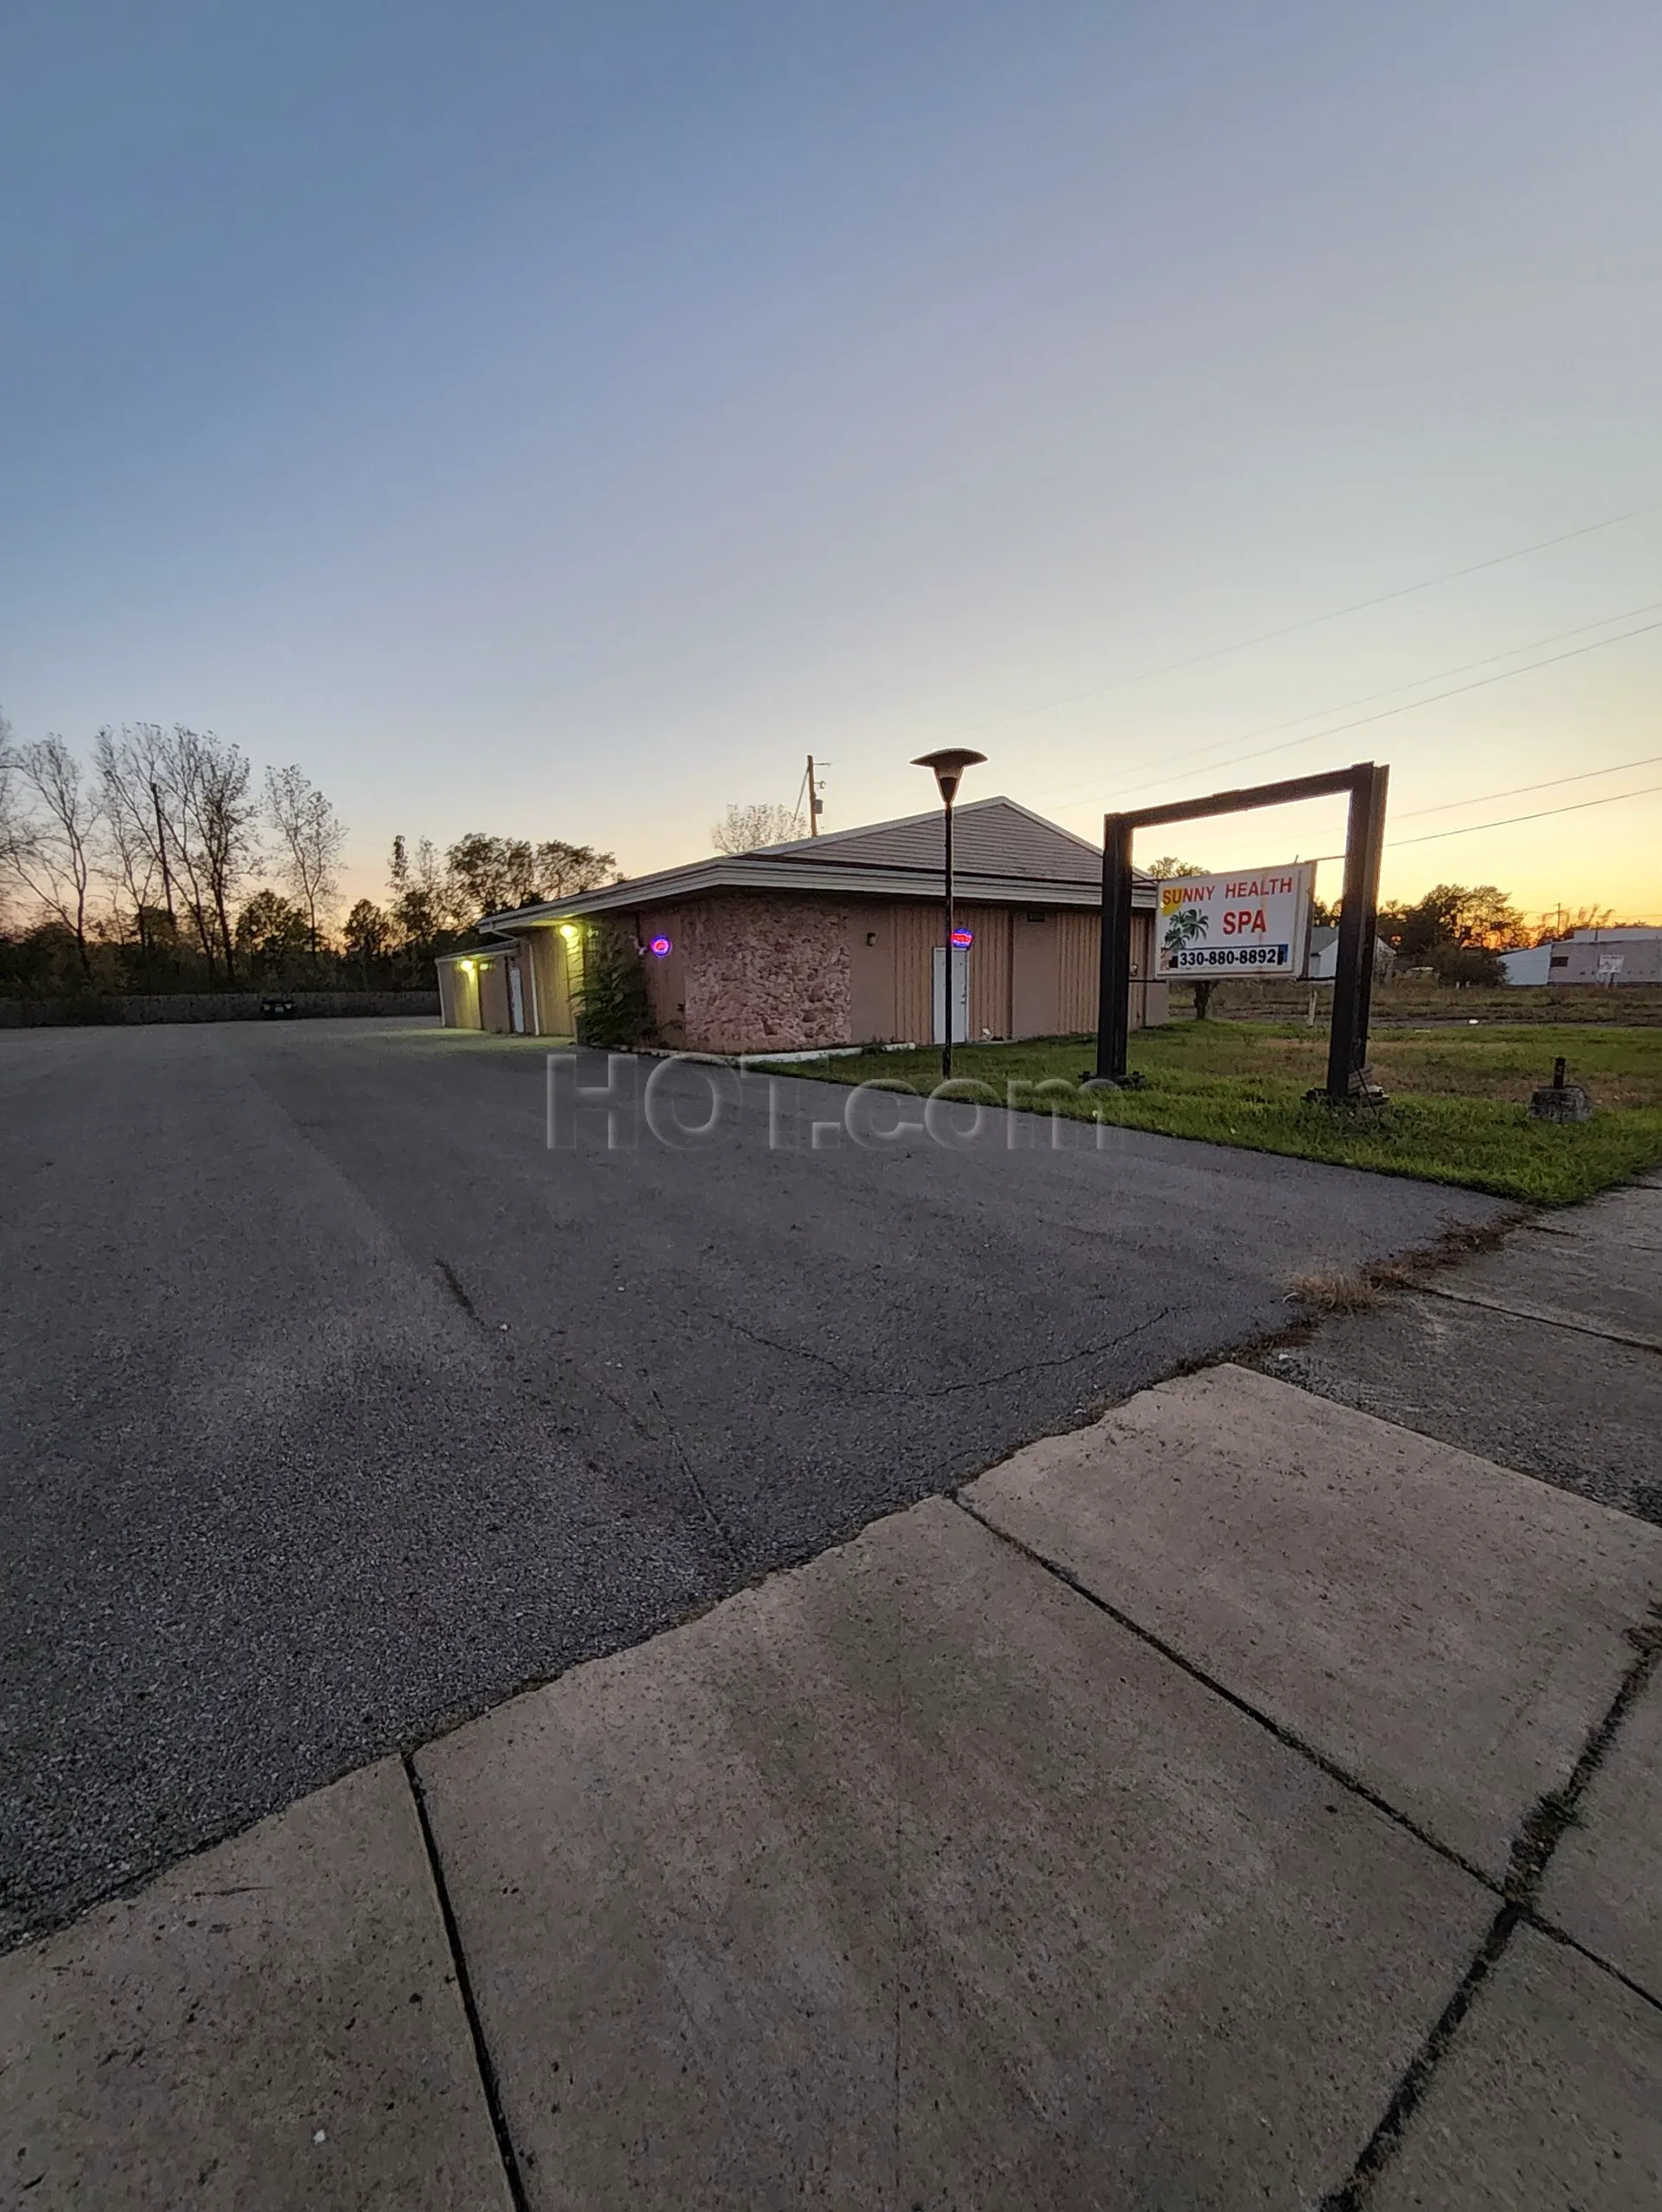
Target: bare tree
column 421, row 910
column 129, row 861
column 143, row 833
column 743, row 828
column 10, row 825
column 50, row 847
column 219, row 817
column 312, row 837
column 206, row 820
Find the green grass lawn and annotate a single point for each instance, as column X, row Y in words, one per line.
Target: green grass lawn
column 1456, row 1113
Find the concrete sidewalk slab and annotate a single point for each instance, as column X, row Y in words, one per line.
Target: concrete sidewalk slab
column 273, row 2023
column 1545, row 2102
column 1593, row 1279
column 1604, row 1885
column 1444, row 1630
column 1630, row 1217
column 1544, row 1400
column 909, row 1877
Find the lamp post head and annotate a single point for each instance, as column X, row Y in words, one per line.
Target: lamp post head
column 949, row 765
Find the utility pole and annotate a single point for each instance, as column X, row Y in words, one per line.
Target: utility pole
column 816, row 804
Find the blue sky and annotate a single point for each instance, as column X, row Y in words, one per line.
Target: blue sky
column 559, row 419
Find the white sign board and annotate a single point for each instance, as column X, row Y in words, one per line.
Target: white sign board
column 1251, row 922
column 1612, row 963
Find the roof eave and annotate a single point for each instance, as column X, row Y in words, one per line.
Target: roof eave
column 846, row 878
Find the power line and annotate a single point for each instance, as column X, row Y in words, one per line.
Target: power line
column 1308, row 622
column 1482, row 798
column 1576, row 806
column 1485, row 660
column 1472, row 828
column 1411, row 705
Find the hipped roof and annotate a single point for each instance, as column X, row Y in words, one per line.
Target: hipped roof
column 1001, row 853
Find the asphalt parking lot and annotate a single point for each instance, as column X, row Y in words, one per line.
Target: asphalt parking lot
column 338, row 1405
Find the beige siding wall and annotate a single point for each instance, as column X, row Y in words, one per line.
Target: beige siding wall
column 990, row 977
column 543, row 958
column 917, row 928
column 1035, row 976
column 1079, row 944
column 666, row 979
column 871, row 975
column 460, row 1008
column 764, row 971
column 492, row 978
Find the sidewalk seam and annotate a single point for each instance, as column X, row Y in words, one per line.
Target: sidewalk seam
column 1380, row 2147
column 483, row 2061
column 1538, row 1837
column 1543, row 1320
column 1283, row 1735
column 1552, row 1933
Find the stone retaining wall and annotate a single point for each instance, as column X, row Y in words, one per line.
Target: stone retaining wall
column 110, row 1008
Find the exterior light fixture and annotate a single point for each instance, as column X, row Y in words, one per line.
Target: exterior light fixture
column 569, row 932
column 661, row 947
column 948, row 766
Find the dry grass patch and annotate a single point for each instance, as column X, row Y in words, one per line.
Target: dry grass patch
column 1334, row 1290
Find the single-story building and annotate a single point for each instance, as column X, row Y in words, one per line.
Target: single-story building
column 1528, row 963
column 1630, row 953
column 832, row 940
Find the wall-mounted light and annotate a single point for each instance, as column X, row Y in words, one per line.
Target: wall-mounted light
column 661, row 947
column 569, row 932
column 963, row 939
column 466, row 967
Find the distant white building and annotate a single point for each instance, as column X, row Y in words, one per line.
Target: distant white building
column 1531, row 965
column 1630, row 954
column 1324, row 955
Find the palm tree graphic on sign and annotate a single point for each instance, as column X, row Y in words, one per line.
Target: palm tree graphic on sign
column 1185, row 926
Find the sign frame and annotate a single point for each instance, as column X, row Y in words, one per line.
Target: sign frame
column 1349, row 1082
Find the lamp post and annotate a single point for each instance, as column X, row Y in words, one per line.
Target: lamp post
column 948, row 766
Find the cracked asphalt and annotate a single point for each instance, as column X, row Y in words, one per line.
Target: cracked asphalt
column 337, row 1405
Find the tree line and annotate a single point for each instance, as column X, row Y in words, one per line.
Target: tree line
column 1459, row 930
column 159, row 862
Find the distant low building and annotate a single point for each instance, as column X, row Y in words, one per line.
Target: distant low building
column 1531, row 963
column 1630, row 954
column 1324, row 955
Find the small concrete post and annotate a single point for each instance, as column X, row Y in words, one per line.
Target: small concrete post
column 1560, row 1101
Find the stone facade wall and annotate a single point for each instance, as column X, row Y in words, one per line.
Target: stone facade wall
column 765, row 972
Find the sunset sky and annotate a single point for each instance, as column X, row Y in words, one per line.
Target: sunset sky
column 558, row 419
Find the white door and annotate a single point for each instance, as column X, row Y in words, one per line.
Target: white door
column 516, row 999
column 961, row 994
